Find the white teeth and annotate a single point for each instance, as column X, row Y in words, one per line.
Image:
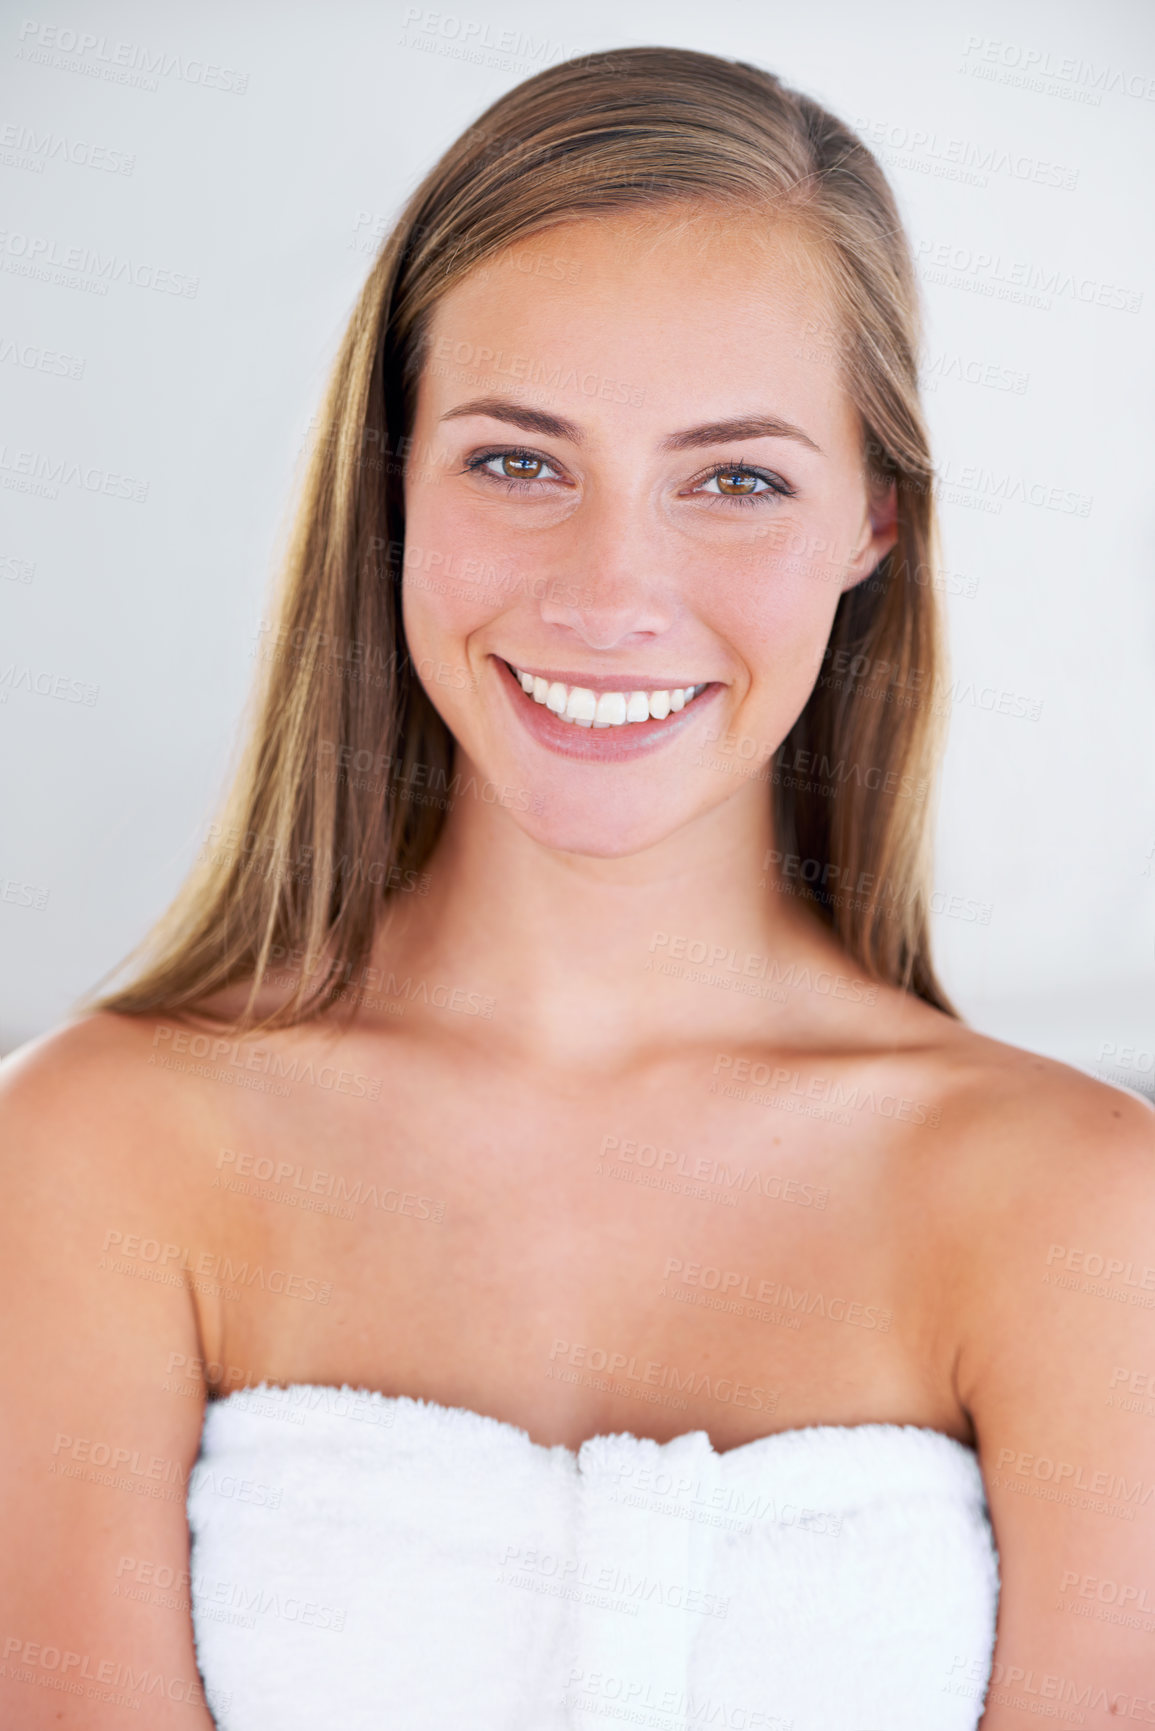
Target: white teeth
column 611, row 709
column 581, row 706
column 585, row 708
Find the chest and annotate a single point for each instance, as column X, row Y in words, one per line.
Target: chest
column 637, row 1256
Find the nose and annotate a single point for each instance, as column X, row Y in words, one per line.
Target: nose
column 614, row 589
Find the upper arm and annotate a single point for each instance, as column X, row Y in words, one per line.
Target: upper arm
column 1058, row 1373
column 95, row 1445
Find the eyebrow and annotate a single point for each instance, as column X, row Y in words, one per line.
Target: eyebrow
column 690, row 438
column 740, row 427
column 520, row 415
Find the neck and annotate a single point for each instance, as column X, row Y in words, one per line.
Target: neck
column 600, row 960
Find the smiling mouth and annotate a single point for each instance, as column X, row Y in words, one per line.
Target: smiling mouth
column 582, row 707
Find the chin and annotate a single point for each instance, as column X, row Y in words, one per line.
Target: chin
column 575, row 827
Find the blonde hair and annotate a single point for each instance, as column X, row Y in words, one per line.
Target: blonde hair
column 323, row 852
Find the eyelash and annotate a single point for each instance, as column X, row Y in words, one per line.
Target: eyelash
column 777, row 487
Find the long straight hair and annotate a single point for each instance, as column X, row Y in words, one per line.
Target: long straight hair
column 307, row 852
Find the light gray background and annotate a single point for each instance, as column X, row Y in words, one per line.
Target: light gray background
column 272, row 193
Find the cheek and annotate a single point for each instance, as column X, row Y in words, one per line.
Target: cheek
column 808, row 555
column 773, row 599
column 453, row 575
column 775, row 609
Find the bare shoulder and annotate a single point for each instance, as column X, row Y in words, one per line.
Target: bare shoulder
column 1037, row 1188
column 1015, row 1168
column 101, row 1157
column 1041, row 1203
column 91, row 1093
column 92, row 1045
column 1030, row 1144
column 96, row 1447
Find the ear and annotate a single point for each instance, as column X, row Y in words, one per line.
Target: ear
column 879, row 530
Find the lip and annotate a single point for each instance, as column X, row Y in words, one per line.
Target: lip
column 598, row 744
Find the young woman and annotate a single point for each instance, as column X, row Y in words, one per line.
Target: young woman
column 535, row 1218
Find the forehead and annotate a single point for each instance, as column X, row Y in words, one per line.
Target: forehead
column 672, row 309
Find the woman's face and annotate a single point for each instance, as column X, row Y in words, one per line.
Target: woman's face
column 634, row 471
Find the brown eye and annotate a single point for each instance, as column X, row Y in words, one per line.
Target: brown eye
column 512, row 466
column 736, row 481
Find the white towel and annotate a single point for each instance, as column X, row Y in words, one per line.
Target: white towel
column 386, row 1564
